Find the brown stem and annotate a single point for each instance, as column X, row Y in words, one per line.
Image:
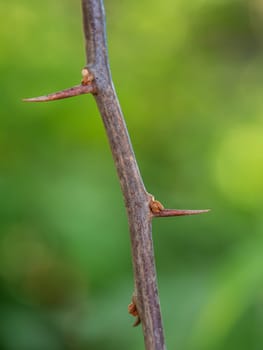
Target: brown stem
column 135, row 196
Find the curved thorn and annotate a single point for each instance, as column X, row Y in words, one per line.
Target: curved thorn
column 73, row 91
column 179, row 212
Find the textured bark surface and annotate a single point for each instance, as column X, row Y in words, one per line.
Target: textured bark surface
column 136, row 198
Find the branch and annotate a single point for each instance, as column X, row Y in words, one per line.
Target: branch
column 135, row 196
column 140, row 205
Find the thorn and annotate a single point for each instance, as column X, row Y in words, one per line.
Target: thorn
column 137, row 322
column 158, row 210
column 73, row 91
column 179, row 212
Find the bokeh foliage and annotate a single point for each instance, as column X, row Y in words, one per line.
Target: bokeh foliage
column 190, row 80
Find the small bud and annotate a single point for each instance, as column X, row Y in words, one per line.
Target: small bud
column 156, row 206
column 87, row 77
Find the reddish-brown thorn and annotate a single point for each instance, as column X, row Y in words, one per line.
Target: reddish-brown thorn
column 179, row 212
column 73, row 91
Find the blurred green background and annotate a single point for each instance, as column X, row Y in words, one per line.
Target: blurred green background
column 190, row 80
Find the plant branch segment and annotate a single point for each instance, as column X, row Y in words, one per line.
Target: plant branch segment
column 140, row 205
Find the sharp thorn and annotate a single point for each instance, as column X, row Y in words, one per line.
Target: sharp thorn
column 73, row 91
column 179, row 212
